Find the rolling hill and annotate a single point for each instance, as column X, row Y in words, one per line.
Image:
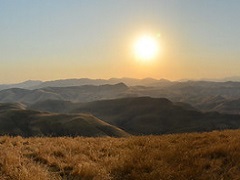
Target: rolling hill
column 146, row 115
column 15, row 120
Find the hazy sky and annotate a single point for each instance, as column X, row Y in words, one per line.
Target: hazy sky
column 59, row 39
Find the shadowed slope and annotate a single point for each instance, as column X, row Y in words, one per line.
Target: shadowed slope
column 147, row 115
column 56, row 106
column 220, row 104
column 11, row 106
column 17, row 121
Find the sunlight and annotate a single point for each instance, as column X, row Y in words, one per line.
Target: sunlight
column 146, row 48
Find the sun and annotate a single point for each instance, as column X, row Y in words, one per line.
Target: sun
column 146, row 48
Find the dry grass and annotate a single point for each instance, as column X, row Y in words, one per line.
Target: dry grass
column 212, row 156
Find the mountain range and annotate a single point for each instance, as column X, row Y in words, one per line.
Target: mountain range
column 83, row 81
column 206, row 96
column 147, row 106
column 36, row 84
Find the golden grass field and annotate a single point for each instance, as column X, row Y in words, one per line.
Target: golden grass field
column 214, row 156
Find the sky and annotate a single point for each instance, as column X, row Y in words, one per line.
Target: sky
column 59, row 39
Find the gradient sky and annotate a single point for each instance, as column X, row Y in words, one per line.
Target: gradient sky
column 59, row 39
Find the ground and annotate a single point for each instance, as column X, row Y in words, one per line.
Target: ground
column 214, row 155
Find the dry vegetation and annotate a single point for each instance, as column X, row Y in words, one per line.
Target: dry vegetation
column 212, row 156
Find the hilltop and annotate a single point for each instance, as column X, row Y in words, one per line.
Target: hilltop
column 212, row 156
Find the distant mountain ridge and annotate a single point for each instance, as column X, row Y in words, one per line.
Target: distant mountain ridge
column 24, row 85
column 83, row 81
column 36, row 84
column 200, row 94
column 84, row 93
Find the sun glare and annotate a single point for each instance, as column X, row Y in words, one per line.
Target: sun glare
column 146, row 48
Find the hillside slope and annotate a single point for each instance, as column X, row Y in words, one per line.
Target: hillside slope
column 145, row 115
column 224, row 106
column 17, row 121
column 212, row 156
